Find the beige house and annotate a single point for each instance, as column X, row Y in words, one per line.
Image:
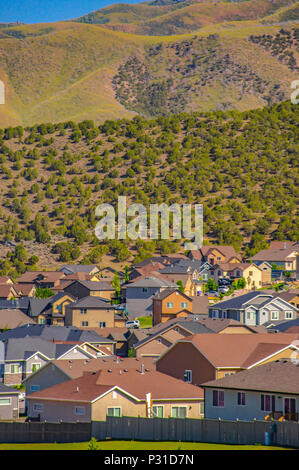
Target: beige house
column 117, row 392
column 91, row 312
column 252, row 274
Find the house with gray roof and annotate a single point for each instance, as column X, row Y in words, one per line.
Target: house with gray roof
column 254, row 308
column 19, row 357
column 139, row 295
column 79, row 268
column 270, row 389
column 9, row 402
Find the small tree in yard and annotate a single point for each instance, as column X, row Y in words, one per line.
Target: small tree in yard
column 93, row 445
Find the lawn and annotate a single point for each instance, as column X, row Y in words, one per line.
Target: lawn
column 145, row 322
column 136, row 445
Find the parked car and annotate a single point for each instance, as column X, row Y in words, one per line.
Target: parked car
column 132, row 324
column 223, row 289
column 213, row 293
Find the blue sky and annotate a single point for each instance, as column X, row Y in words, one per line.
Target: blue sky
column 43, row 11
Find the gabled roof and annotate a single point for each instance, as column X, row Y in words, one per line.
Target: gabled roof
column 91, row 302
column 281, row 376
column 5, row 390
column 276, row 254
column 92, row 386
column 237, row 350
column 13, row 318
column 7, row 289
column 75, row 268
column 239, row 301
column 151, row 281
column 167, row 292
column 95, row 285
column 219, row 324
column 33, row 276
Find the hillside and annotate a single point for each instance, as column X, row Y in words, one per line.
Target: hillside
column 240, row 165
column 75, row 70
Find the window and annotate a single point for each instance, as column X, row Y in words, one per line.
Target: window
column 5, row 401
column 158, row 411
column 80, row 410
column 38, row 407
column 250, row 315
column 274, row 315
column 102, row 324
column 188, row 376
column 169, row 304
column 114, row 412
column 215, row 313
column 202, row 408
column 250, row 273
column 35, row 388
column 14, row 368
column 35, row 366
column 184, row 304
column 144, row 289
column 83, row 311
column 84, row 323
column 289, row 315
column 218, row 398
column 179, row 412
column 267, row 402
column 228, row 373
column 241, row 399
column 42, row 321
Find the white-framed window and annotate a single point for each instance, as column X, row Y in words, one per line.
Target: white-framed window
column 80, row 410
column 102, row 324
column 267, row 402
column 215, row 313
column 274, row 315
column 250, row 315
column 84, row 323
column 228, row 373
column 14, row 368
column 34, row 388
column 38, row 407
column 115, row 411
column 179, row 411
column 169, row 304
column 83, row 311
column 35, row 366
column 184, row 304
column 241, row 398
column 5, row 401
column 289, row 315
column 158, row 411
column 218, row 398
column 188, row 376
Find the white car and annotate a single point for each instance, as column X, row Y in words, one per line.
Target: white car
column 132, row 324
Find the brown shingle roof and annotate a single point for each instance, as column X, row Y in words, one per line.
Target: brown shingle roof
column 13, row 318
column 235, row 350
column 92, row 385
column 219, row 324
column 277, row 376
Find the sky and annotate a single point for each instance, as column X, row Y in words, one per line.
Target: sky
column 47, row 11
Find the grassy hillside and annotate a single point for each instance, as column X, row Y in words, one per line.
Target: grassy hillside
column 75, row 71
column 240, row 165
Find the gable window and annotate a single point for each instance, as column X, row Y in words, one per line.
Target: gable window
column 114, row 412
column 35, row 366
column 188, row 376
column 80, row 410
column 84, row 323
column 83, row 311
column 184, row 304
column 34, row 388
column 179, row 412
column 268, row 402
column 102, row 324
column 274, row 315
column 241, row 399
column 218, row 398
column 289, row 315
column 169, row 304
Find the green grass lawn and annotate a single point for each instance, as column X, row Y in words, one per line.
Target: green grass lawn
column 136, row 445
column 145, row 322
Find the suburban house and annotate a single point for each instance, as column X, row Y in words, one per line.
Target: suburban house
column 254, row 308
column 231, row 326
column 291, row 296
column 215, row 254
column 108, row 273
column 124, row 338
column 81, row 289
column 268, row 391
column 19, row 357
column 50, row 311
column 79, row 268
column 164, row 335
column 284, row 255
column 58, row 371
column 25, row 290
column 92, row 312
column 139, row 295
column 44, row 279
column 233, row 271
column 199, row 358
column 140, row 392
column 170, row 303
column 266, row 272
column 9, row 403
column 8, row 291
